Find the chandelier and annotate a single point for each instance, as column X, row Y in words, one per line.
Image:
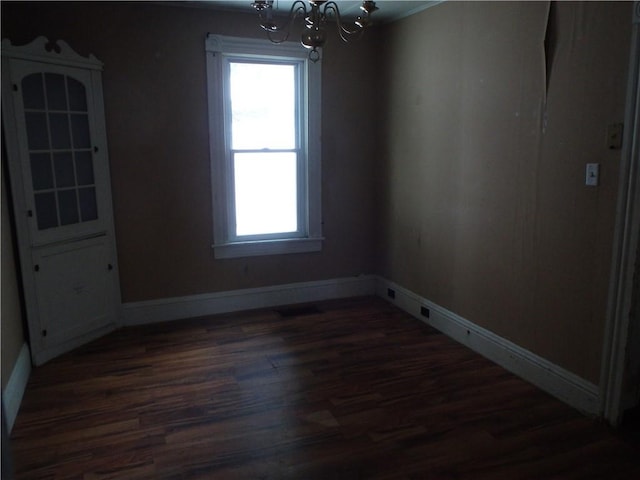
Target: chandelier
column 315, row 16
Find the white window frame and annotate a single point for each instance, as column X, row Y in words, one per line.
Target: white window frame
column 219, row 49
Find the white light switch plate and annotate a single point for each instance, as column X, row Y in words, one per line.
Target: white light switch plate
column 592, row 174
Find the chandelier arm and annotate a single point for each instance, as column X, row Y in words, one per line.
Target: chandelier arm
column 298, row 7
column 277, row 40
column 345, row 33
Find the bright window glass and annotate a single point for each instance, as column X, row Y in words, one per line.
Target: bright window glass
column 263, row 106
column 265, row 193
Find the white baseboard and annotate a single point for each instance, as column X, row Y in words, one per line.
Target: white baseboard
column 136, row 313
column 16, row 386
column 562, row 384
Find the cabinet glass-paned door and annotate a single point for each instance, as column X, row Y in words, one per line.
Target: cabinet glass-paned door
column 60, row 151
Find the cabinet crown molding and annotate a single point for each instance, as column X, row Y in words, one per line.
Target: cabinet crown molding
column 44, row 50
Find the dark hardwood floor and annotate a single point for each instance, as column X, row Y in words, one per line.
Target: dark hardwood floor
column 357, row 390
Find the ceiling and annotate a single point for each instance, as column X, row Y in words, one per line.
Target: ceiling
column 389, row 10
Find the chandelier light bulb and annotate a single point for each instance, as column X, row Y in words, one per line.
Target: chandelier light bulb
column 313, row 38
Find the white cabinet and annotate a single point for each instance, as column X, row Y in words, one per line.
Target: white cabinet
column 53, row 118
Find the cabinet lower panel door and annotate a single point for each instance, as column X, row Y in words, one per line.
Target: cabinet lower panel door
column 75, row 291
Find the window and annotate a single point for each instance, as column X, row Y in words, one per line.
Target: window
column 264, row 121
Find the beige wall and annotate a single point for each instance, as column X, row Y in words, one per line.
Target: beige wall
column 483, row 204
column 11, row 334
column 156, row 115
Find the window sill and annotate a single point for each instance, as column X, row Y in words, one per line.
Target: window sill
column 268, row 247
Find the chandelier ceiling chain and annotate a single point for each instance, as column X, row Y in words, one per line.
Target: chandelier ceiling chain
column 315, row 16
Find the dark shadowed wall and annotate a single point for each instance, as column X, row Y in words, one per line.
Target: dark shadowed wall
column 11, row 333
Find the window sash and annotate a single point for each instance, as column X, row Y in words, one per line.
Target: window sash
column 301, row 198
column 300, row 149
column 297, row 98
